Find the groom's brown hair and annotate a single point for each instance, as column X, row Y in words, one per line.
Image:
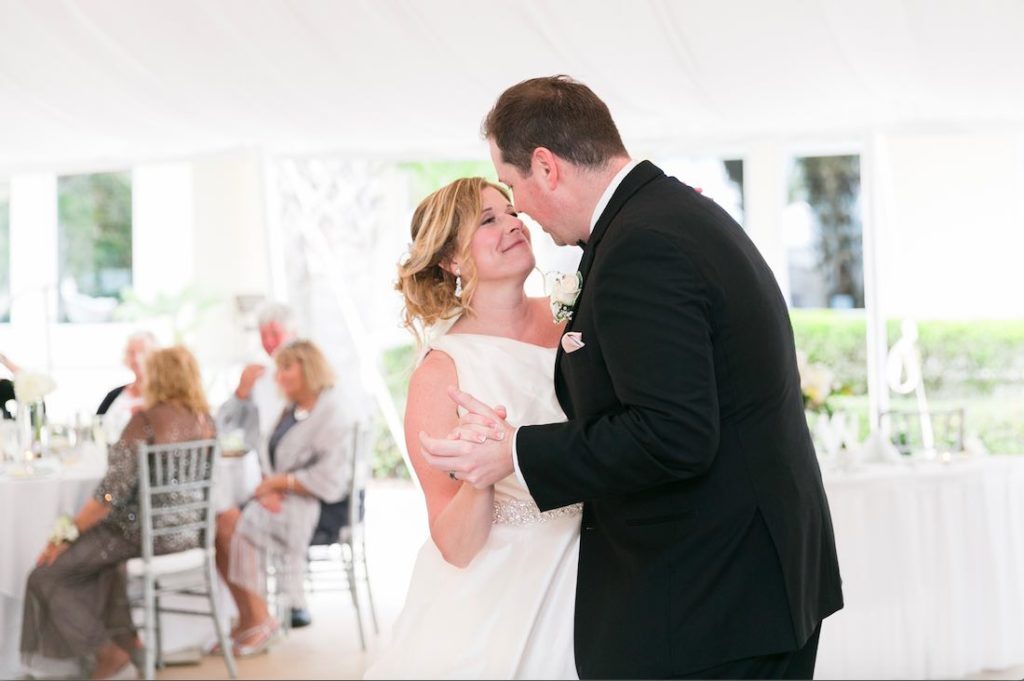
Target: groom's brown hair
column 557, row 113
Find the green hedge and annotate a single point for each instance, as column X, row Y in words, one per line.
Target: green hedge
column 958, row 357
column 396, row 366
column 836, row 340
column 978, row 365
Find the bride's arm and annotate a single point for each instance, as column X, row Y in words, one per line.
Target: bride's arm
column 460, row 515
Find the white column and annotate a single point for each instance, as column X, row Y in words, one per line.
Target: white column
column 163, row 224
column 874, row 181
column 764, row 179
column 229, row 259
column 33, row 268
column 277, row 272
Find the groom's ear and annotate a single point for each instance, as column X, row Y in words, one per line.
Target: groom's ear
column 545, row 165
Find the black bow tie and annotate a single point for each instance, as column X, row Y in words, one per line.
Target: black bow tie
column 581, row 243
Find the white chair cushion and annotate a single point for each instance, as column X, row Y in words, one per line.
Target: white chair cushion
column 168, row 564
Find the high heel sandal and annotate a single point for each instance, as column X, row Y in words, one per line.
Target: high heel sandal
column 214, row 648
column 266, row 634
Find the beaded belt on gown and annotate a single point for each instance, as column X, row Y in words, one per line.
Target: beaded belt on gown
column 526, row 512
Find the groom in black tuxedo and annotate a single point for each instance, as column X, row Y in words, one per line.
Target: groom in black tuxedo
column 707, row 548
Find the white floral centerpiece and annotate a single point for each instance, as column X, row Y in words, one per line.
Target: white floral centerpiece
column 30, row 387
column 563, row 290
column 817, row 383
column 832, row 429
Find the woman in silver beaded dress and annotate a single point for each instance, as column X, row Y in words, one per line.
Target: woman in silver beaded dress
column 492, row 594
column 76, row 604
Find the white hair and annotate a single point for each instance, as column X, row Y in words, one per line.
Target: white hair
column 276, row 312
column 145, row 336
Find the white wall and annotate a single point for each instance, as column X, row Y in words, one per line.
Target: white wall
column 229, row 259
column 198, row 224
column 952, row 232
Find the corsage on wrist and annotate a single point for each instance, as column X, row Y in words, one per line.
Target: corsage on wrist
column 64, row 530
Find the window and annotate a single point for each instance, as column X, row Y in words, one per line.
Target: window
column 5, row 252
column 719, row 179
column 95, row 245
column 823, row 233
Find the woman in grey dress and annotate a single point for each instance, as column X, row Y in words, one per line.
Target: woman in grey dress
column 76, row 605
column 308, row 454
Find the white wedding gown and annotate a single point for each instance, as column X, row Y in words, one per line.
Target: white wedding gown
column 509, row 613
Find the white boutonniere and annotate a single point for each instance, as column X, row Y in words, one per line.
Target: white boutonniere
column 563, row 290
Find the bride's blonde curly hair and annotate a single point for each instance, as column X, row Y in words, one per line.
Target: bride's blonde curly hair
column 442, row 229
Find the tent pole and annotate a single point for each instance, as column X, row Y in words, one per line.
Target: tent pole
column 873, row 182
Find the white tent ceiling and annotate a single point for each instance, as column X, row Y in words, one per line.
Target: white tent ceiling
column 104, row 82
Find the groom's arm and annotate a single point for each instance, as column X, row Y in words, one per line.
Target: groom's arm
column 652, row 310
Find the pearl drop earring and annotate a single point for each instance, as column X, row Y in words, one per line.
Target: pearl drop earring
column 458, row 283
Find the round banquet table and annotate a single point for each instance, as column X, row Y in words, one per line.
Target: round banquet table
column 30, row 504
column 932, row 561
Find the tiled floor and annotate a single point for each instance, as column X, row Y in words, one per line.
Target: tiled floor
column 329, row 649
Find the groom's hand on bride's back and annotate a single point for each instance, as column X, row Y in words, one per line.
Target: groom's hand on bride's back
column 479, row 449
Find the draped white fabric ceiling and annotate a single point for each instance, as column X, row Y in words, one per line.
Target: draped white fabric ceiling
column 100, row 82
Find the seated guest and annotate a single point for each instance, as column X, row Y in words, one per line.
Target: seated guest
column 6, row 395
column 76, row 603
column 253, row 410
column 307, row 453
column 123, row 401
column 7, row 386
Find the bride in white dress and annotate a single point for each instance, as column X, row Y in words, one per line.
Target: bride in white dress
column 493, row 591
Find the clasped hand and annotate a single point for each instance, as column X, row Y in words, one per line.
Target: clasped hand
column 270, row 492
column 479, row 450
column 51, row 552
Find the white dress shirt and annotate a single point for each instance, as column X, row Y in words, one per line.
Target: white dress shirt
column 602, row 203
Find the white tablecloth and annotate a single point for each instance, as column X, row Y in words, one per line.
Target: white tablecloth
column 28, row 508
column 932, row 560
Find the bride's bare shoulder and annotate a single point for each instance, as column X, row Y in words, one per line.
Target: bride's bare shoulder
column 548, row 332
column 436, row 367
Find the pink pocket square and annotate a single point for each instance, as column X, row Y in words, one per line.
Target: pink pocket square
column 572, row 341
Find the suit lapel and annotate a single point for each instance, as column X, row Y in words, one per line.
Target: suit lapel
column 644, row 172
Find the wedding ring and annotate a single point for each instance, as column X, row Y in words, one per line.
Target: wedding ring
column 451, row 474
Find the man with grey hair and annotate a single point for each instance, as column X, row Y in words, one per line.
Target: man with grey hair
column 256, row 404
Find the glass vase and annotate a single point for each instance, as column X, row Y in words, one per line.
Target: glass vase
column 32, row 429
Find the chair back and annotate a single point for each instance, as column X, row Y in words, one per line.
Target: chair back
column 363, row 437
column 176, row 491
column 905, row 428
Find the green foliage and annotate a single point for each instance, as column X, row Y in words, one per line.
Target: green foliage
column 185, row 309
column 831, row 187
column 977, row 365
column 431, row 176
column 95, row 214
column 979, row 355
column 396, row 366
column 836, row 339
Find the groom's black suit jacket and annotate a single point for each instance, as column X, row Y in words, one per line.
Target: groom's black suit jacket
column 706, row 533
